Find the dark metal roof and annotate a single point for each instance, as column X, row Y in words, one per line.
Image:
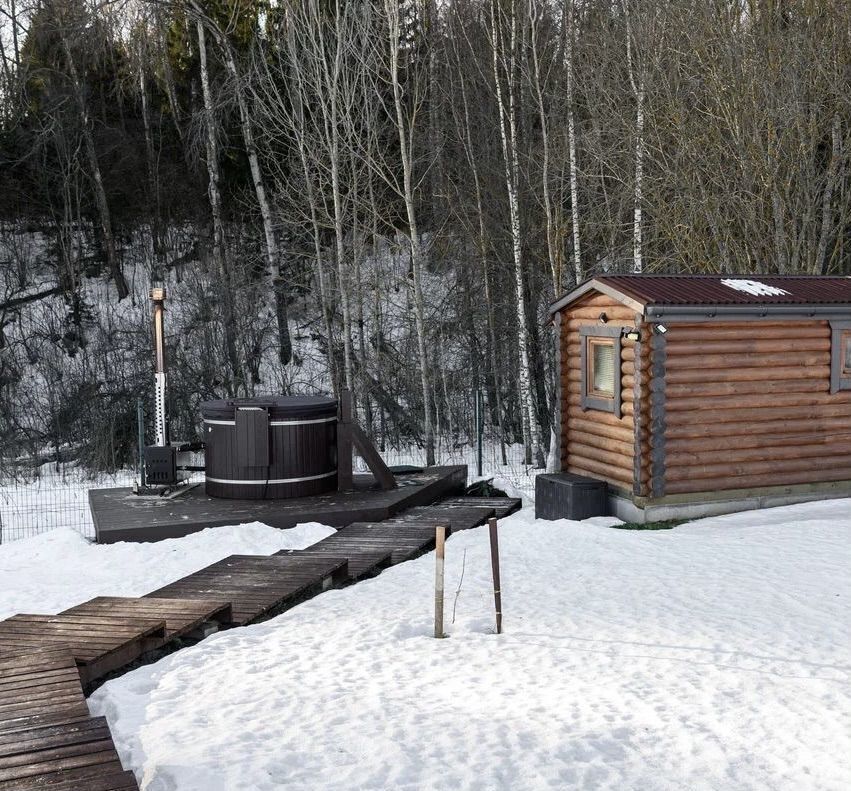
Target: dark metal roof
column 709, row 290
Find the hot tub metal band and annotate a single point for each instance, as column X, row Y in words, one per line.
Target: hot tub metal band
column 275, row 422
column 264, row 482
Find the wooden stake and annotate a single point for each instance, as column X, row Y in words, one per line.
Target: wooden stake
column 439, row 545
column 497, row 592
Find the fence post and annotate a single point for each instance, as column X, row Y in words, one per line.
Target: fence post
column 479, row 428
column 140, row 434
column 440, row 549
column 497, row 587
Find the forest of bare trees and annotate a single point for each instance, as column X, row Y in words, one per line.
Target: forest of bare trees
column 385, row 196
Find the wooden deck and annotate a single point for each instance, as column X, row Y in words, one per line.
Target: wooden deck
column 182, row 617
column 98, row 647
column 47, row 738
column 119, row 515
column 257, row 585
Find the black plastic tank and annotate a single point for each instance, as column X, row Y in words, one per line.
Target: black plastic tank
column 270, row 448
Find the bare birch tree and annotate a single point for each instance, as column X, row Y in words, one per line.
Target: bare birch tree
column 504, row 32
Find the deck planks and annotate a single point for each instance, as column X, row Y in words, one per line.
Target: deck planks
column 36, row 682
column 48, row 739
column 119, row 515
column 502, row 506
column 181, row 616
column 361, row 563
column 98, row 647
column 256, row 584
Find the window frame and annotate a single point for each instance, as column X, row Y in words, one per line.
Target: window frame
column 590, row 399
column 840, row 339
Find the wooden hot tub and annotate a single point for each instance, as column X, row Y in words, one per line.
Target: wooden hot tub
column 270, row 448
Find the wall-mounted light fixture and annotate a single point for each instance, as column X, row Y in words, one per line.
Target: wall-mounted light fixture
column 603, row 318
column 632, row 335
column 660, row 329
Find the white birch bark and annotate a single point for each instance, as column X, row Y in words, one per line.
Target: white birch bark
column 636, row 81
column 215, row 198
column 553, row 252
column 571, row 142
column 482, row 247
column 405, row 131
column 101, row 199
column 273, row 264
column 821, row 262
column 504, row 67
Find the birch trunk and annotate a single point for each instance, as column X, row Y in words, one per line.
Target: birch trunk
column 405, row 132
column 636, row 82
column 153, row 182
column 482, row 248
column 273, row 262
column 571, row 144
column 101, row 200
column 215, row 198
column 821, row 263
column 553, row 253
column 509, row 140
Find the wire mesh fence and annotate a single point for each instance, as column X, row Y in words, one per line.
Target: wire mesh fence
column 37, row 498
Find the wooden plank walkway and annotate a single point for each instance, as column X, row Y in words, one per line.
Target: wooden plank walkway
column 181, row 616
column 359, row 564
column 48, row 740
column 457, row 517
column 502, row 506
column 98, row 645
column 257, row 585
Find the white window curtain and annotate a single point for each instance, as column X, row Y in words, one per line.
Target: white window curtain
column 604, row 368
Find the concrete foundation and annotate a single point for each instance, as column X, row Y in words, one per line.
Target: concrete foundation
column 640, row 512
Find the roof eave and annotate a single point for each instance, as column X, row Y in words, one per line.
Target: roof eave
column 596, row 285
column 698, row 313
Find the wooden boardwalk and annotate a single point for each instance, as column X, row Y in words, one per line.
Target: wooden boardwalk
column 257, row 585
column 47, row 737
column 48, row 740
column 97, row 647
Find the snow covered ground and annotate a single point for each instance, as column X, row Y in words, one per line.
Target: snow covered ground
column 56, row 570
column 713, row 656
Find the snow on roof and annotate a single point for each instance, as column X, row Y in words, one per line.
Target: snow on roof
column 712, row 290
column 732, row 290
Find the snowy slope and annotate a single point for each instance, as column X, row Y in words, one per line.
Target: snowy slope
column 713, row 656
column 56, row 570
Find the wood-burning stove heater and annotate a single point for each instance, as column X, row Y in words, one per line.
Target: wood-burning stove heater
column 167, row 464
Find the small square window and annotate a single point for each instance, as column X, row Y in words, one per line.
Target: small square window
column 840, row 356
column 601, row 374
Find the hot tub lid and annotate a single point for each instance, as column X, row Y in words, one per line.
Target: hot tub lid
column 280, row 407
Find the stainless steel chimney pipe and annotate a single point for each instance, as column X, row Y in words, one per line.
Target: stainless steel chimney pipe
column 158, row 296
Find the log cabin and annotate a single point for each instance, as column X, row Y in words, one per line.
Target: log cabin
column 693, row 395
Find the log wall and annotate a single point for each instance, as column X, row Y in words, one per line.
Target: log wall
column 593, row 442
column 748, row 405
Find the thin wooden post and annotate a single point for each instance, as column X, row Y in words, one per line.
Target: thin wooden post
column 479, row 425
column 497, row 589
column 440, row 546
column 344, row 442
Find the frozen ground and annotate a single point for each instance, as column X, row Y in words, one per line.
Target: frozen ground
column 713, row 656
column 56, row 570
